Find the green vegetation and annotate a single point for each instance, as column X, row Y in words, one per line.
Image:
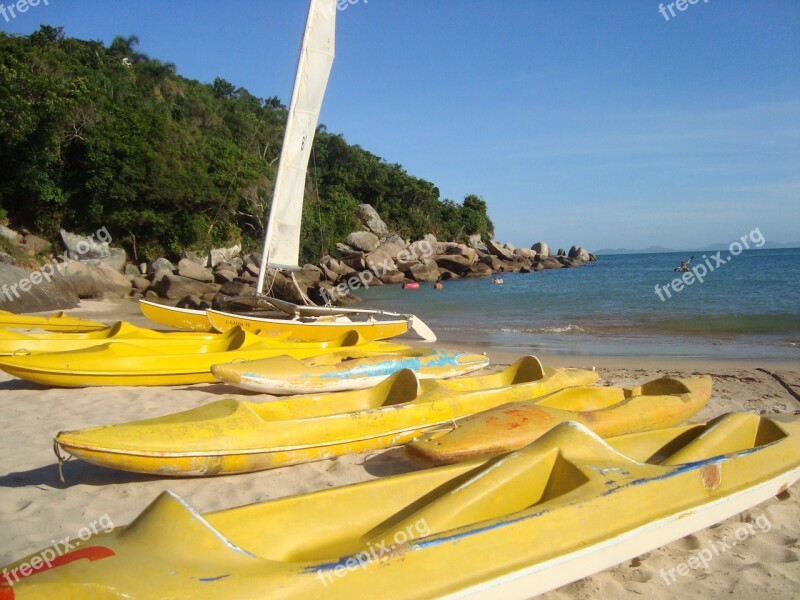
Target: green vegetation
column 93, row 136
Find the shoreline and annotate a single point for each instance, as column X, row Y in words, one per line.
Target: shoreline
column 36, row 507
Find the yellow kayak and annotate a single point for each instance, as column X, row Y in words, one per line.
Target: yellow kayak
column 230, row 436
column 564, row 507
column 13, row 342
column 310, row 329
column 177, row 318
column 606, row 411
column 119, row 363
column 59, row 321
column 340, row 371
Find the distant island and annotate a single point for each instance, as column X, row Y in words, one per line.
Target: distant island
column 710, row 248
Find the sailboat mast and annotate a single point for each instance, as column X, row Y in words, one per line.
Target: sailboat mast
column 282, row 235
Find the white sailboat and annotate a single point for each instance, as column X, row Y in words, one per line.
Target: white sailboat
column 282, row 236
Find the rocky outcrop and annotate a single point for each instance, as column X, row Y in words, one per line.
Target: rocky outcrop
column 175, row 287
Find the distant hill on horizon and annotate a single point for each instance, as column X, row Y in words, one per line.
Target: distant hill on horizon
column 709, row 248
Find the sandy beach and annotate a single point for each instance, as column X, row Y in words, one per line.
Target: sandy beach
column 35, row 507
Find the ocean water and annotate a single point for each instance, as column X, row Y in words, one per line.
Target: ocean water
column 747, row 306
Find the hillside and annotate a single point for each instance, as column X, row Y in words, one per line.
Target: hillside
column 95, row 137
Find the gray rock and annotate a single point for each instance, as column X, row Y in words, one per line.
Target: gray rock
column 479, row 269
column 160, row 264
column 192, row 270
column 197, row 258
column 525, row 253
column 96, row 280
column 561, row 252
column 33, row 291
column 237, row 288
column 510, row 247
column 550, row 263
column 542, row 249
column 140, row 283
column 33, row 245
column 372, row 220
column 345, row 250
column 223, row 276
column 132, row 270
column 392, row 277
column 579, row 252
column 475, row 241
column 175, row 287
column 363, row 240
column 426, row 270
column 7, row 259
column 218, row 255
column 116, row 259
column 495, row 264
column 193, row 302
column 83, row 247
column 495, row 249
column 9, row 234
column 424, row 248
column 380, row 261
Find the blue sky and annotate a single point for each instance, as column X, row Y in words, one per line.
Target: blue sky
column 596, row 123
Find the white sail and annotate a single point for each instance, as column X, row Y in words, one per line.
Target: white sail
column 282, row 238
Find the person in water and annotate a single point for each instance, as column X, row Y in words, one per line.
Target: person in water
column 438, row 285
column 685, row 265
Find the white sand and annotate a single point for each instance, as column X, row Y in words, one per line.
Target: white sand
column 36, row 508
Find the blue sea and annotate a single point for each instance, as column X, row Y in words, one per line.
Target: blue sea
column 746, row 307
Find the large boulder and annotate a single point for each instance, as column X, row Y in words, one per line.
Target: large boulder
column 495, row 264
column 372, row 220
column 9, row 234
column 393, row 245
column 495, row 249
column 116, row 259
column 525, row 253
column 424, row 270
column 579, row 252
column 175, row 287
column 363, row 240
column 83, row 247
column 542, row 249
column 192, row 270
column 425, row 248
column 380, row 262
column 220, row 255
column 96, row 280
column 34, row 291
column 161, row 265
column 475, row 241
column 479, row 269
column 550, row 262
column 392, row 277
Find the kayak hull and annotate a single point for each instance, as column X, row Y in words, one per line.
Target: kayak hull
column 177, row 318
column 342, row 371
column 57, row 322
column 606, row 411
column 428, row 533
column 311, row 330
column 231, row 436
column 119, row 363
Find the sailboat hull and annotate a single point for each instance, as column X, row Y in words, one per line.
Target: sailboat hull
column 314, row 330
